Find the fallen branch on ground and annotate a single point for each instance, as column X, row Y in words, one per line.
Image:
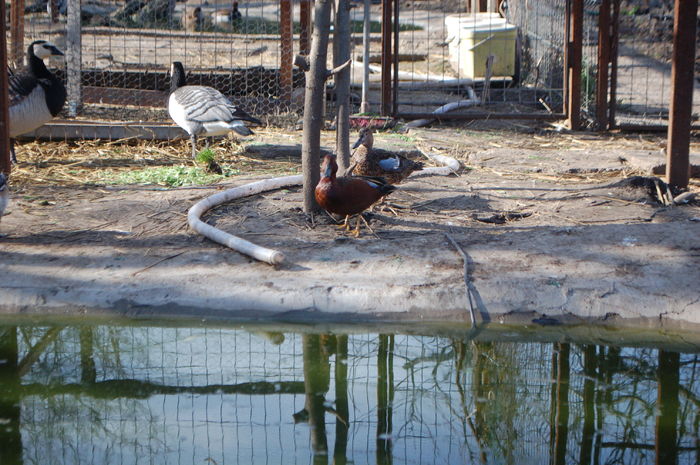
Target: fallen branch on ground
column 465, row 259
column 501, row 218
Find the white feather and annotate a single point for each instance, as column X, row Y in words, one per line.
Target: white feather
column 219, row 128
column 30, row 113
column 179, row 115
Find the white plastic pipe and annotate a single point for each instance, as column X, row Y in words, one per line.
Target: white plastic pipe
column 273, row 257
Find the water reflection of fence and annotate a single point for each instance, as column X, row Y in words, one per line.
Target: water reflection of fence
column 177, row 395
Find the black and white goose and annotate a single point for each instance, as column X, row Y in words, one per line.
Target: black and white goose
column 36, row 95
column 202, row 110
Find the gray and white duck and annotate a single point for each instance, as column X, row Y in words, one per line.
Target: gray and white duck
column 36, row 94
column 204, row 111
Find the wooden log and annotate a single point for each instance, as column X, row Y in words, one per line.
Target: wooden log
column 377, row 59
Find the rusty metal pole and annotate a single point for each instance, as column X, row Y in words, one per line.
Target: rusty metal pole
column 575, row 47
column 386, row 57
column 17, row 31
column 5, row 165
column 395, row 81
column 304, row 27
column 614, row 42
column 567, row 58
column 364, row 106
column 286, row 50
column 682, row 70
column 601, row 93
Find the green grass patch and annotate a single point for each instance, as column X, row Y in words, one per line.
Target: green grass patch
column 169, row 176
column 206, row 156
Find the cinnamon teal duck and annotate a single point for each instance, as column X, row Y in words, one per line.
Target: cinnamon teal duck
column 369, row 162
column 348, row 195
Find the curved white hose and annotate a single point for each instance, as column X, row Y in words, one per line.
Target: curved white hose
column 273, row 257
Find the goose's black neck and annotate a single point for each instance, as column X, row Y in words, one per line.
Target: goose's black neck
column 177, row 78
column 36, row 65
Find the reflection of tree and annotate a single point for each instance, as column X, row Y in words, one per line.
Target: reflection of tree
column 316, row 384
column 385, row 398
column 317, row 375
column 10, row 437
column 341, row 401
column 88, row 372
column 589, row 372
column 465, row 416
column 666, row 419
column 560, row 402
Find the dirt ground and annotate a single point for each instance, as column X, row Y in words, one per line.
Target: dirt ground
column 572, row 247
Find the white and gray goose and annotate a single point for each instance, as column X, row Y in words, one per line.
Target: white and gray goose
column 202, row 110
column 36, row 94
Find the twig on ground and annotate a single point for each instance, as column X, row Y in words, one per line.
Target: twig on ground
column 465, row 259
column 503, row 217
column 157, row 263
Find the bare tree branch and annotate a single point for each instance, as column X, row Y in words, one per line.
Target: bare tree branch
column 338, row 69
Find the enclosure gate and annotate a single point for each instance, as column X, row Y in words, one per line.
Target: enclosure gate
column 626, row 75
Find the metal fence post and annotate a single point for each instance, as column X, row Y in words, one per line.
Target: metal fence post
column 575, row 50
column 386, row 57
column 682, row 74
column 286, row 51
column 5, row 164
column 614, row 48
column 17, row 31
column 601, row 94
column 73, row 57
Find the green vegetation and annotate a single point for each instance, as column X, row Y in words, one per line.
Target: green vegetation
column 169, row 176
column 376, row 26
column 589, row 76
column 206, row 156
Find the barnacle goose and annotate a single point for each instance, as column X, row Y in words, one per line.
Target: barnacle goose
column 202, row 110
column 36, row 95
column 227, row 16
column 4, row 194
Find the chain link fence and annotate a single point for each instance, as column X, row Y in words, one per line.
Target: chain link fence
column 238, row 48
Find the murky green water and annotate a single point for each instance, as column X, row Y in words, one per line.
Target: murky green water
column 164, row 395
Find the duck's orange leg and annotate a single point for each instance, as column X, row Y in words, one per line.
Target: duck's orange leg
column 345, row 224
column 356, row 233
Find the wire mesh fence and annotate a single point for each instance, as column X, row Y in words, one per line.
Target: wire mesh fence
column 441, row 57
column 127, row 49
column 644, row 64
column 110, row 394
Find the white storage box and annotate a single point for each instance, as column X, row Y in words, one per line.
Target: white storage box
column 472, row 38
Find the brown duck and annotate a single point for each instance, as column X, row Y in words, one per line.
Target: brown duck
column 348, row 195
column 368, row 162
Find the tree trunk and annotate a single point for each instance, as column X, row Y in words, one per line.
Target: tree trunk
column 341, row 49
column 313, row 103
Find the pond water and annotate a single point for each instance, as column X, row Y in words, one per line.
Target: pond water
column 157, row 394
